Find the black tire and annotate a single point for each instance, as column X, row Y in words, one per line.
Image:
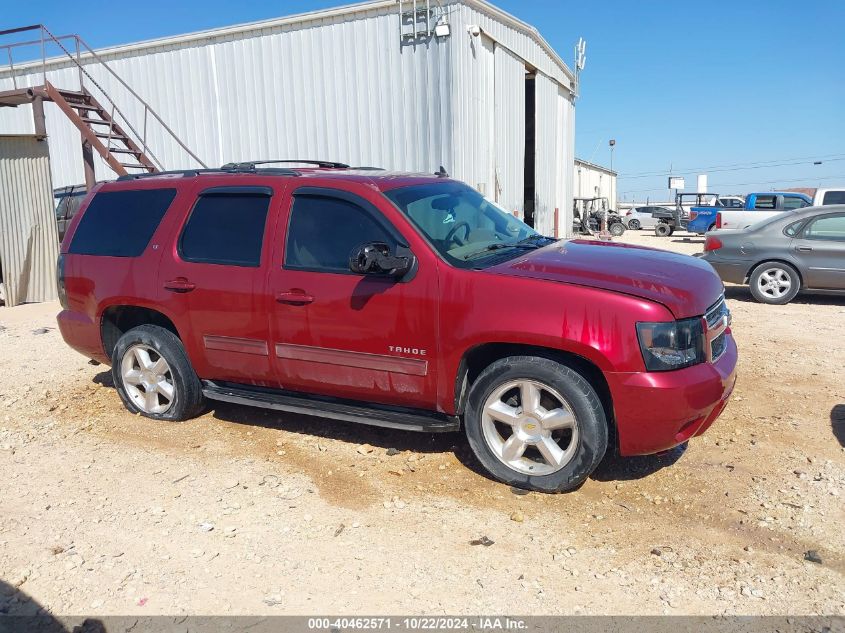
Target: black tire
column 671, row 230
column 634, row 225
column 575, row 392
column 617, row 229
column 662, row 230
column 187, row 400
column 776, row 271
column 712, row 227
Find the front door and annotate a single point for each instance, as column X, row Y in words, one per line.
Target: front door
column 214, row 282
column 342, row 334
column 821, row 248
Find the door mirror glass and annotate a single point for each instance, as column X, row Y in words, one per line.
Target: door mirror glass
column 375, row 258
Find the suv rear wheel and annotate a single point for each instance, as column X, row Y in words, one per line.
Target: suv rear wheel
column 536, row 424
column 153, row 375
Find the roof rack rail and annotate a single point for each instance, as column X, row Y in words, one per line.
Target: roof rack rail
column 226, row 169
column 325, row 164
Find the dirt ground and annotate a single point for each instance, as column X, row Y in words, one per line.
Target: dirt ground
column 245, row 511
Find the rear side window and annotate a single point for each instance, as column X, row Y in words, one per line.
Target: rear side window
column 766, row 202
column 834, row 197
column 121, row 223
column 790, row 202
column 793, row 229
column 227, row 227
column 324, row 230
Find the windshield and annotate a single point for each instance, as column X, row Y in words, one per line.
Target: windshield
column 462, row 225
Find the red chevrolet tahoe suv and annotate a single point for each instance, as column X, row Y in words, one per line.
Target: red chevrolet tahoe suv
column 400, row 300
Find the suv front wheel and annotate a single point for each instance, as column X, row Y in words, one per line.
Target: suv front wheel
column 153, row 375
column 536, row 424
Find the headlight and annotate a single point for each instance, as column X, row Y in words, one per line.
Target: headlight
column 667, row 346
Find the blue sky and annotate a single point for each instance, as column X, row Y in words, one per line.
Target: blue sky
column 691, row 85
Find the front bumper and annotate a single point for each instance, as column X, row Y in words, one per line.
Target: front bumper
column 656, row 411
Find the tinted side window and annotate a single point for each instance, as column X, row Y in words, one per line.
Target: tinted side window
column 121, row 223
column 794, row 203
column 831, row 227
column 226, row 229
column 323, row 231
column 834, row 197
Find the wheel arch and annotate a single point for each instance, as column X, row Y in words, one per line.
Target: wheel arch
column 481, row 356
column 117, row 319
column 774, row 260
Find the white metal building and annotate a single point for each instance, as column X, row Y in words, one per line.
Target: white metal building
column 594, row 181
column 368, row 84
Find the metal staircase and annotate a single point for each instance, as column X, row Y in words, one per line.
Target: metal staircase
column 102, row 125
column 85, row 112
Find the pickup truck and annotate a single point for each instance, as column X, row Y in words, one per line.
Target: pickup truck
column 824, row 197
column 400, row 300
column 758, row 206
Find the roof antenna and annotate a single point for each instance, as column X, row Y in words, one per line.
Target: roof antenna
column 441, row 173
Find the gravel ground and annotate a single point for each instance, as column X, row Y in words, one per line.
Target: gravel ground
column 245, row 511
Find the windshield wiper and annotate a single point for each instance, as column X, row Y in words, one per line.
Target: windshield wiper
column 499, row 245
column 535, row 237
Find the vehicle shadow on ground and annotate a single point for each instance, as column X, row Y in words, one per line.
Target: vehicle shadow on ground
column 612, row 467
column 616, row 468
column 837, row 423
column 742, row 293
column 19, row 612
column 687, row 240
column 317, row 427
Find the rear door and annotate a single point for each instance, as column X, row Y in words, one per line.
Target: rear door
column 337, row 333
column 212, row 280
column 821, row 249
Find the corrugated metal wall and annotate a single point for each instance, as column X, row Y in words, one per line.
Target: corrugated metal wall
column 29, row 242
column 509, row 131
column 513, row 51
column 591, row 181
column 553, row 157
column 336, row 87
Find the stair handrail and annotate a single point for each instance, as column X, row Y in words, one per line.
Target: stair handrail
column 81, row 44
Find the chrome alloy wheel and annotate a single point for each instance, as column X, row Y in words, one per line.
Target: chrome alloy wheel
column 530, row 427
column 147, row 379
column 774, row 282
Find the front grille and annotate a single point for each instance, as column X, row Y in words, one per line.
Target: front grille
column 718, row 345
column 714, row 313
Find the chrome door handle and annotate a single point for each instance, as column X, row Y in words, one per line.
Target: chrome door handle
column 294, row 298
column 804, row 249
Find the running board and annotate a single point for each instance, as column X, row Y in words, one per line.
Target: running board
column 346, row 410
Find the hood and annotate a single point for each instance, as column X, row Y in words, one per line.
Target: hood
column 686, row 285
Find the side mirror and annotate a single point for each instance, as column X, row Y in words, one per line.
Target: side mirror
column 375, row 258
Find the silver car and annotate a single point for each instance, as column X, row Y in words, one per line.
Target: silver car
column 782, row 255
column 641, row 217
